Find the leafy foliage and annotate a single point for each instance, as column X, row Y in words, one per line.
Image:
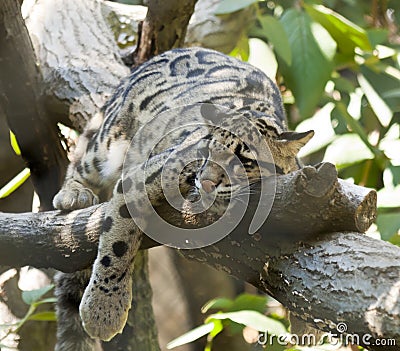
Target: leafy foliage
column 34, row 299
column 15, row 183
column 245, row 311
column 20, row 178
column 339, row 73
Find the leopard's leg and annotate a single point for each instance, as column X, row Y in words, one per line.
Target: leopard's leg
column 93, row 171
column 107, row 298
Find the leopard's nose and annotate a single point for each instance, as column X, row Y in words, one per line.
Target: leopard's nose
column 208, row 185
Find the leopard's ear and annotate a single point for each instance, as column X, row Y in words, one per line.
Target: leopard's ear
column 294, row 141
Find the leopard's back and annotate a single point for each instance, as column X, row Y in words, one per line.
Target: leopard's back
column 179, row 77
column 187, row 76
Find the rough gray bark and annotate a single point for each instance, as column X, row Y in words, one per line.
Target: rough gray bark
column 164, row 28
column 357, row 274
column 68, row 241
column 325, row 278
column 80, row 60
column 78, row 57
column 20, row 87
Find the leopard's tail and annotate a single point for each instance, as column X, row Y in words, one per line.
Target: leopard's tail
column 70, row 334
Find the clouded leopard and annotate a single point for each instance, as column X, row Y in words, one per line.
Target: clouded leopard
column 171, row 84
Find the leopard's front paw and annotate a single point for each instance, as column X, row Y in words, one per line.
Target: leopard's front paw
column 74, row 196
column 105, row 305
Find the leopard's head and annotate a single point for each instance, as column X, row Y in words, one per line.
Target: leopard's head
column 237, row 155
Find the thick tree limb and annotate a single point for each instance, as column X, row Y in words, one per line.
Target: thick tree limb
column 360, row 277
column 78, row 57
column 68, row 241
column 164, row 28
column 20, row 87
column 325, row 278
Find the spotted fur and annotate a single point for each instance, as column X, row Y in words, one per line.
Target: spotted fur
column 178, row 79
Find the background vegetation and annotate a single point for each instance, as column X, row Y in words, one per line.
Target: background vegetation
column 337, row 63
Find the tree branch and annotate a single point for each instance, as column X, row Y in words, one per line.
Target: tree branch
column 78, row 57
column 164, row 28
column 20, row 87
column 326, row 278
column 68, row 241
column 205, row 29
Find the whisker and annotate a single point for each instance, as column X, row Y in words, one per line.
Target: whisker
column 240, row 200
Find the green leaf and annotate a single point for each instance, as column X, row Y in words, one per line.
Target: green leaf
column 32, row 296
column 249, row 302
column 313, row 51
column 192, row 335
column 366, row 173
column 377, row 36
column 15, row 183
column 390, row 145
column 14, row 143
column 242, row 49
column 229, row 6
column 378, row 105
column 347, row 34
column 343, row 84
column 275, row 33
column 322, row 125
column 394, row 93
column 254, row 320
column 220, row 303
column 388, row 224
column 386, row 84
column 262, row 57
column 218, row 328
column 389, row 197
column 47, row 300
column 395, row 172
column 242, row 302
column 346, row 150
column 46, row 316
column 384, row 52
column 355, row 125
